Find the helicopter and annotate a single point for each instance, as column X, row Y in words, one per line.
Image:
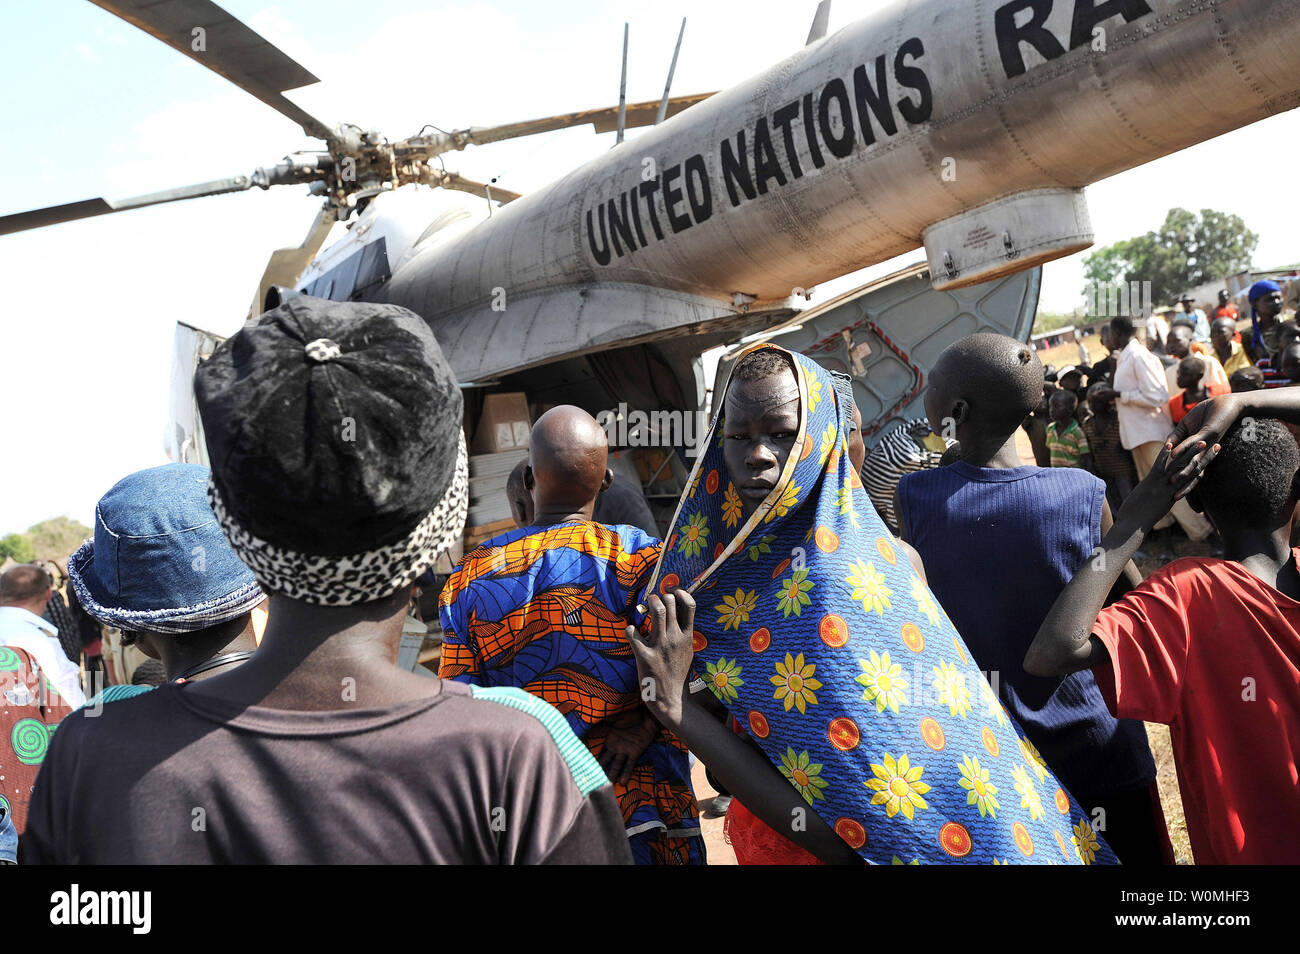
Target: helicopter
column 967, row 130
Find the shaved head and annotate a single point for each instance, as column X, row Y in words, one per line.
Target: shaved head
column 566, row 461
column 988, row 381
column 25, row 583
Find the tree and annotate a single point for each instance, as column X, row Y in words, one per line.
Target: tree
column 15, row 545
column 1186, row 251
column 57, row 537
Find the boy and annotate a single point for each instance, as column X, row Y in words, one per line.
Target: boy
column 1065, row 438
column 1111, row 462
column 339, row 474
column 1193, row 390
column 987, row 506
column 1210, row 647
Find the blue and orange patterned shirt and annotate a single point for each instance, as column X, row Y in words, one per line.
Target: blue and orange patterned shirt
column 546, row 609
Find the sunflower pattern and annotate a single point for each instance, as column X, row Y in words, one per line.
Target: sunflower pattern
column 803, row 774
column 795, row 683
column 792, row 594
column 868, row 702
column 732, row 508
column 869, row 587
column 926, row 604
column 1085, row 842
column 735, row 609
column 724, row 679
column 980, row 791
column 882, row 682
column 898, row 786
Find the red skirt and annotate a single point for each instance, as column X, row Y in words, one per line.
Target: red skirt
column 757, row 844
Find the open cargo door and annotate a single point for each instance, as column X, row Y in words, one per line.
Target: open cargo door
column 183, row 440
column 888, row 333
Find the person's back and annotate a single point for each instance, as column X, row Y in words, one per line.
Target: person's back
column 960, row 516
column 545, row 608
column 319, row 747
column 455, row 778
column 1038, row 526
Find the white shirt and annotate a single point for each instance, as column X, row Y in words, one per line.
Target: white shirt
column 1143, row 403
column 25, row 630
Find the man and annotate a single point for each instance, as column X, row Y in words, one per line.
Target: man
column 1182, row 346
column 623, row 503
column 1105, row 368
column 339, row 474
column 24, row 593
column 1141, row 394
column 160, row 570
column 520, row 497
column 1265, row 313
column 1226, row 309
column 544, row 609
column 1202, row 324
column 1229, row 352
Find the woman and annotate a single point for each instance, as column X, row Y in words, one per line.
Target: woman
column 815, row 632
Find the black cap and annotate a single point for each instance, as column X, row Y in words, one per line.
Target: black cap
column 333, row 427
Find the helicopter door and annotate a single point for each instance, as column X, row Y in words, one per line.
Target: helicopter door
column 889, row 333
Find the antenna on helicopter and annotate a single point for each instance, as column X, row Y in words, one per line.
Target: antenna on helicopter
column 672, row 68
column 821, row 19
column 622, row 92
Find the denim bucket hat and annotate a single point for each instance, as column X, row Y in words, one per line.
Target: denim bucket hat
column 159, row 560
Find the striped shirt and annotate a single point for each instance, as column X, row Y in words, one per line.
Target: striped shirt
column 1272, row 378
column 896, row 454
column 1067, row 446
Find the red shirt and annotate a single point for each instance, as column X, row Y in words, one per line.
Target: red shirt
column 1179, row 406
column 1211, row 650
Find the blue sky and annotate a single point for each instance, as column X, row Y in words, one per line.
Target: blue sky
column 97, row 107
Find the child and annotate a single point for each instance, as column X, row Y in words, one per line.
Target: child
column 986, row 509
column 1190, row 372
column 1065, row 438
column 1210, row 647
column 1111, row 462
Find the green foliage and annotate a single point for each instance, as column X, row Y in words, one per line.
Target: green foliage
column 16, row 545
column 52, row 539
column 1188, row 250
column 57, row 537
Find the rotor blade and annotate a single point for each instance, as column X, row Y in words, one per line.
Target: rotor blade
column 213, row 38
column 603, row 120
column 454, row 180
column 54, row 214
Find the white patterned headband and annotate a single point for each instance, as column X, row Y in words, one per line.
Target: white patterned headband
column 359, row 577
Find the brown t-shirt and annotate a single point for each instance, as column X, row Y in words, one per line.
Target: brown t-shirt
column 172, row 777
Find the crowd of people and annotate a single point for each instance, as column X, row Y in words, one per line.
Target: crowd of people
column 962, row 680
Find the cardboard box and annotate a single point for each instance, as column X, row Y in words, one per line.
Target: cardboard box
column 504, row 424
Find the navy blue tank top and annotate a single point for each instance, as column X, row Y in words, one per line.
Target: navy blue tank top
column 998, row 547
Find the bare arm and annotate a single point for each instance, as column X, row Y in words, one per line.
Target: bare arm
column 663, row 658
column 1131, row 574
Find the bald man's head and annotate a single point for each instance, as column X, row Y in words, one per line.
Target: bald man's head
column 25, row 585
column 566, row 462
